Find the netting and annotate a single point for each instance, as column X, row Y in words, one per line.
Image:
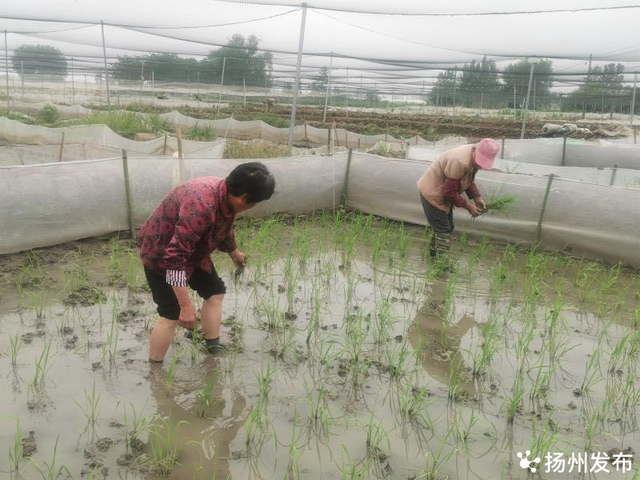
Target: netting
column 55, row 203
column 591, row 220
column 50, row 204
column 16, row 132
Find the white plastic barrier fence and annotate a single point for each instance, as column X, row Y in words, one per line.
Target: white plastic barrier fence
column 583, row 219
column 98, row 135
column 556, row 152
column 49, row 204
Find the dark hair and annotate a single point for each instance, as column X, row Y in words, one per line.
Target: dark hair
column 252, row 178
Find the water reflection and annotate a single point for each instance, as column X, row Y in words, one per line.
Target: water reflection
column 203, row 442
column 437, row 342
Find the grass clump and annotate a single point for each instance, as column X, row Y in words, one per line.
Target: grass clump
column 274, row 120
column 126, row 124
column 49, row 114
column 201, row 134
column 254, row 149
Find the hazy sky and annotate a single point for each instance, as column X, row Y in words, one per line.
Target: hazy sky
column 378, row 40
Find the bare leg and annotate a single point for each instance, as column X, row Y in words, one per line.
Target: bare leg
column 212, row 316
column 161, row 338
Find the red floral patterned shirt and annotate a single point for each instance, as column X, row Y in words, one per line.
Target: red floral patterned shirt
column 193, row 220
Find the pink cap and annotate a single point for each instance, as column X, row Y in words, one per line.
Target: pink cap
column 486, row 151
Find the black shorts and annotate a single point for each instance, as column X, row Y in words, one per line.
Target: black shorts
column 206, row 284
column 438, row 220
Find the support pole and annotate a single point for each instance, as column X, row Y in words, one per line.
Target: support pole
column 564, row 150
column 224, row 63
column 127, row 189
column 343, row 199
column 455, row 87
column 526, row 102
column 244, row 92
column 6, row 67
column 61, row 148
column 613, row 174
column 106, row 71
column 633, row 99
column 296, row 87
column 502, row 149
column 73, row 83
column 544, row 208
column 326, row 98
column 346, row 91
column 22, row 76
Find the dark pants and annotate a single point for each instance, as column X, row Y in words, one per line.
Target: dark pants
column 442, row 225
column 206, row 284
column 438, row 220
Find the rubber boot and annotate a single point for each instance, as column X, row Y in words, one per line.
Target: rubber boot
column 441, row 248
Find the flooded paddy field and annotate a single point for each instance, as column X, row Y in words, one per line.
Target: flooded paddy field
column 350, row 355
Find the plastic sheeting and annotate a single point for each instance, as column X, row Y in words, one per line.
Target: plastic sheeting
column 100, row 135
column 572, row 222
column 66, row 111
column 548, row 151
column 50, row 204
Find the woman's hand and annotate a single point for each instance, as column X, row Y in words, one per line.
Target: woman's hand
column 473, row 210
column 238, row 258
column 482, row 205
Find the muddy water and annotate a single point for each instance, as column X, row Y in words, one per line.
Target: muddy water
column 354, row 335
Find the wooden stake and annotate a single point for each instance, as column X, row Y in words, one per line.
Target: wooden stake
column 61, row 148
column 127, row 189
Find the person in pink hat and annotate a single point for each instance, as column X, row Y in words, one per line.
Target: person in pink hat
column 442, row 184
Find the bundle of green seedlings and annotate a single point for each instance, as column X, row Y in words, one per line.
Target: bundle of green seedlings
column 501, row 203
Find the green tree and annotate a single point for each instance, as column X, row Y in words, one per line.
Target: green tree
column 479, row 78
column 601, row 91
column 242, row 62
column 39, row 59
column 372, row 97
column 165, row 67
column 517, row 75
column 443, row 91
column 322, row 80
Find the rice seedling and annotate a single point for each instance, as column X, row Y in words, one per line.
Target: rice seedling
column 490, row 346
column 264, row 378
column 397, row 360
column 376, row 436
column 90, row 406
column 461, row 429
column 39, row 300
column 135, row 424
column 456, row 372
column 42, row 365
column 592, row 372
column 51, row 470
column 413, row 405
column 15, row 343
column 110, row 348
column 293, row 464
column 15, row 452
column 351, row 470
column 501, row 203
column 319, row 412
column 544, row 441
column 171, row 372
column 514, row 401
column 434, row 462
column 163, row 440
column 204, row 396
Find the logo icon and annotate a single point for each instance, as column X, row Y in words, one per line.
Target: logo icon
column 525, row 462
